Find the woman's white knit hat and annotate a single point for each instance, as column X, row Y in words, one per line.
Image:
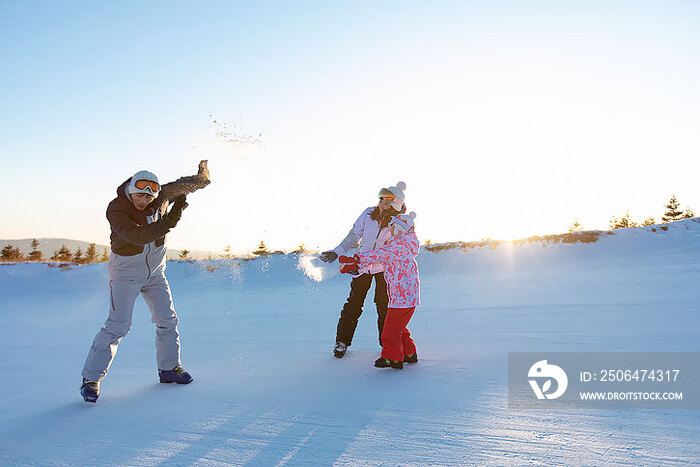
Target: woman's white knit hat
column 397, row 192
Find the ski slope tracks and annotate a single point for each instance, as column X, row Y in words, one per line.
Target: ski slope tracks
column 257, row 336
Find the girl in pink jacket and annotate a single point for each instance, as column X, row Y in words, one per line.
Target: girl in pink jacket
column 401, row 273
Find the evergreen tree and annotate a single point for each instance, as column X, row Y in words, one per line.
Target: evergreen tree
column 575, row 227
column 227, row 252
column 185, row 254
column 63, row 254
column 10, row 253
column 262, row 249
column 688, row 213
column 78, row 257
column 301, row 249
column 91, row 253
column 618, row 223
column 623, row 222
column 35, row 254
column 649, row 221
column 105, row 255
column 673, row 212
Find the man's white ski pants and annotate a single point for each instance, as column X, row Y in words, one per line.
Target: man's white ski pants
column 123, row 294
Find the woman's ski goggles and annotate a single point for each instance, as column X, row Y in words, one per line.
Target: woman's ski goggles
column 147, row 186
column 386, row 195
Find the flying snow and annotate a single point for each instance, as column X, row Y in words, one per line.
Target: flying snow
column 312, row 268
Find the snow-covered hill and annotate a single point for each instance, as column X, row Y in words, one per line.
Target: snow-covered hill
column 257, row 336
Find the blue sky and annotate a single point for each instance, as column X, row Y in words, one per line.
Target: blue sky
column 505, row 119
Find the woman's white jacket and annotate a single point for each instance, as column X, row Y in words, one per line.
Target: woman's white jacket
column 365, row 235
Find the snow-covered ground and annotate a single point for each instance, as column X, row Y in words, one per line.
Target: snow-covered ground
column 258, row 337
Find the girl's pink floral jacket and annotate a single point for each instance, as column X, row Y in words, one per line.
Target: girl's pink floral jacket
column 398, row 255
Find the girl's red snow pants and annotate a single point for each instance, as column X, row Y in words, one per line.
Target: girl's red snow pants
column 396, row 338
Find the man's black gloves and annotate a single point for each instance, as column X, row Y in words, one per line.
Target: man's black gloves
column 173, row 217
column 329, row 256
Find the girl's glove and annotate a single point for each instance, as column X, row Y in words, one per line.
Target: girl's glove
column 350, row 269
column 351, row 264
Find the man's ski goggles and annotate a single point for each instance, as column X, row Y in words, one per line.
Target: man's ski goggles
column 147, row 186
column 386, row 195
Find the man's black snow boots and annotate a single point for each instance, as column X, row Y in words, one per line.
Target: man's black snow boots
column 176, row 375
column 90, row 390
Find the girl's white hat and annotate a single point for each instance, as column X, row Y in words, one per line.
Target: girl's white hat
column 403, row 222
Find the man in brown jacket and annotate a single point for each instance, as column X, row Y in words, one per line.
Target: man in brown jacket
column 139, row 221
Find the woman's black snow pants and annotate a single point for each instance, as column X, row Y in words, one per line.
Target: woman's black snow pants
column 353, row 307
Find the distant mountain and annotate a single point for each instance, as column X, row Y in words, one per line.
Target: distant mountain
column 48, row 246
